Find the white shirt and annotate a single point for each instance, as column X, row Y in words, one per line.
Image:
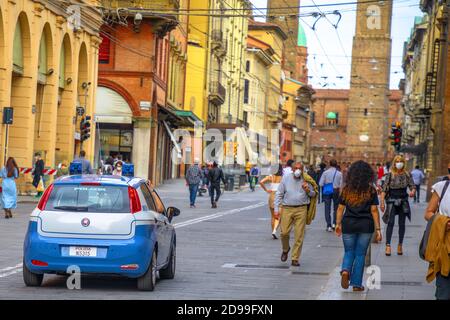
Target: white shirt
column 286, row 171
column 445, row 200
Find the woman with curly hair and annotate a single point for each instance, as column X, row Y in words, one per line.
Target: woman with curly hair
column 394, row 201
column 359, row 201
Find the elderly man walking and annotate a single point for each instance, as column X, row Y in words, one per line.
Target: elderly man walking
column 294, row 196
column 193, row 178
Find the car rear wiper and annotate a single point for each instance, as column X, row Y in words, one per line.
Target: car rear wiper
column 71, row 208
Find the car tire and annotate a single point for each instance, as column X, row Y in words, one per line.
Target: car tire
column 169, row 271
column 148, row 281
column 31, row 279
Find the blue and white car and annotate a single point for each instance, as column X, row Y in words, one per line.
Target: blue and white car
column 103, row 225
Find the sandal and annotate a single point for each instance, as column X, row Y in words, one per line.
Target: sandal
column 400, row 250
column 388, row 250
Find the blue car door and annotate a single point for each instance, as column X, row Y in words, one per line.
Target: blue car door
column 160, row 224
column 164, row 245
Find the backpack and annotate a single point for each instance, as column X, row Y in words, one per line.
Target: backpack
column 426, row 234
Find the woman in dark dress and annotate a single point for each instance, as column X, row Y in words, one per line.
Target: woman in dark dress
column 359, row 200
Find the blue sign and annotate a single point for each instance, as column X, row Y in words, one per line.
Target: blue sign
column 128, row 170
column 75, row 168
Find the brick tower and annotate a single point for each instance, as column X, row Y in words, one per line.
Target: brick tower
column 368, row 124
column 290, row 26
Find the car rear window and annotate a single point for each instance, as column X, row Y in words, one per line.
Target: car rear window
column 78, row 198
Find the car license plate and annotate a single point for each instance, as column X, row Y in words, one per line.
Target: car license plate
column 83, row 251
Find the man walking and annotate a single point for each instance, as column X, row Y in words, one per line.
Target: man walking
column 417, row 176
column 293, row 195
column 288, row 168
column 331, row 183
column 193, row 179
column 86, row 167
column 215, row 175
column 38, row 174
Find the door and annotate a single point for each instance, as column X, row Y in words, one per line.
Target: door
column 161, row 224
column 167, row 227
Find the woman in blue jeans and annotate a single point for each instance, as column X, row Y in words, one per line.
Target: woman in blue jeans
column 357, row 219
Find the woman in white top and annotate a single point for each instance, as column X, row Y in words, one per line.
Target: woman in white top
column 274, row 181
column 440, row 204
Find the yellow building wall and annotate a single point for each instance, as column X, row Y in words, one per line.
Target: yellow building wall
column 49, row 129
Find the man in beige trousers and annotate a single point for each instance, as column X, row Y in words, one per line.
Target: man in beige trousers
column 294, row 195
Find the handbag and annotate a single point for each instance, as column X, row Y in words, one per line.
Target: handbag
column 426, row 234
column 40, row 187
column 328, row 188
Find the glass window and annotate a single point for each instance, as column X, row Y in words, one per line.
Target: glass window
column 104, row 199
column 148, row 198
column 159, row 204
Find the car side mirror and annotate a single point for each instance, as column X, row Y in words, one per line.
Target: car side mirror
column 172, row 212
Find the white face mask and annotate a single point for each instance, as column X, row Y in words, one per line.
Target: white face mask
column 399, row 165
column 297, row 173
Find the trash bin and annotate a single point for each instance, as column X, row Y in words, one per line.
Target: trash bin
column 230, row 183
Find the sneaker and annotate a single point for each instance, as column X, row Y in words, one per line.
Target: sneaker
column 334, row 226
column 329, row 229
column 274, row 236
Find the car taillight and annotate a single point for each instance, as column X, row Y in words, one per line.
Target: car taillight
column 135, row 203
column 39, row 263
column 129, row 267
column 44, row 198
column 90, row 184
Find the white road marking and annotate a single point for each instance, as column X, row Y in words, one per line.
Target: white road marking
column 18, row 268
column 217, row 215
column 10, row 270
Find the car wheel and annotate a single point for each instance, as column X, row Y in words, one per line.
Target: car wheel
column 169, row 271
column 31, row 279
column 148, row 281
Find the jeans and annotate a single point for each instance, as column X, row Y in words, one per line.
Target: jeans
column 253, row 182
column 442, row 287
column 327, row 199
column 401, row 225
column 216, row 188
column 417, row 194
column 355, row 246
column 193, row 188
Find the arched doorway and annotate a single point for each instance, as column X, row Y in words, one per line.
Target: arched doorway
column 83, row 89
column 65, row 110
column 45, row 113
column 20, row 141
column 114, row 121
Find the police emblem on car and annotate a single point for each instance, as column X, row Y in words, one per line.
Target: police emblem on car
column 85, row 222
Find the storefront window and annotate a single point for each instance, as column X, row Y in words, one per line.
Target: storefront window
column 115, row 140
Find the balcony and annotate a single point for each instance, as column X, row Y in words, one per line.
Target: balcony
column 122, row 11
column 154, row 5
column 218, row 43
column 217, row 93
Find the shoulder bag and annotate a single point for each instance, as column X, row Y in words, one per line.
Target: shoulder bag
column 328, row 188
column 426, row 233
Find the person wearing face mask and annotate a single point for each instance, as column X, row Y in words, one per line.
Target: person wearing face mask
column 296, row 194
column 394, row 201
column 118, row 168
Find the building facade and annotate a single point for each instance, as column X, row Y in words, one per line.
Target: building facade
column 427, row 90
column 48, row 68
column 143, row 58
column 368, row 129
column 330, row 122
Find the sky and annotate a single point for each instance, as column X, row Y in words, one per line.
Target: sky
column 331, row 58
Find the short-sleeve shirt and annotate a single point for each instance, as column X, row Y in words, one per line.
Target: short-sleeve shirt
column 359, row 219
column 445, row 199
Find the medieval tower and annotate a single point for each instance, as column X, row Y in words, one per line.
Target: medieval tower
column 288, row 21
column 368, row 124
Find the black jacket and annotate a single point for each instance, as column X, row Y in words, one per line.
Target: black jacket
column 215, row 175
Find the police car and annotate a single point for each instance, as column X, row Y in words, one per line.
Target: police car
column 102, row 225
